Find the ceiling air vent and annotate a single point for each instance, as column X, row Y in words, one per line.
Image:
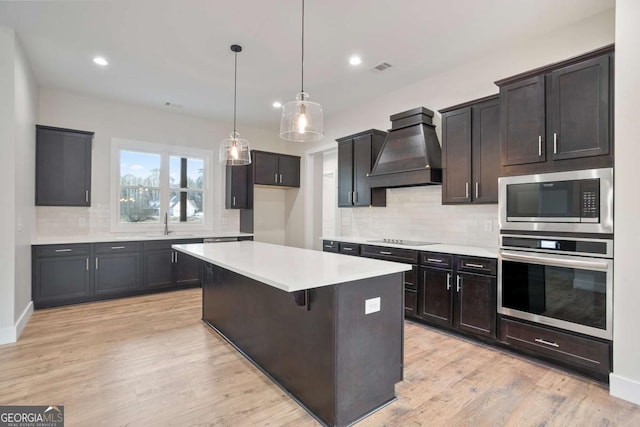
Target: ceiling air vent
column 382, row 66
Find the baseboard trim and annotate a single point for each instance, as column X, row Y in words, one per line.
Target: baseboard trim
column 624, row 388
column 12, row 333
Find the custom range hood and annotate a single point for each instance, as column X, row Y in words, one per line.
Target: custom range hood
column 410, row 154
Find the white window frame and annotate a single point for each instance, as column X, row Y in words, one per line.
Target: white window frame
column 165, row 151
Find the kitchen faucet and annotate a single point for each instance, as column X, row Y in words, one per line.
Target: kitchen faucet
column 166, row 224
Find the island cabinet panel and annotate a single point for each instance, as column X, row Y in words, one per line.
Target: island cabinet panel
column 319, row 345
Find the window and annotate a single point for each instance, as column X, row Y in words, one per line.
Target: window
column 154, row 181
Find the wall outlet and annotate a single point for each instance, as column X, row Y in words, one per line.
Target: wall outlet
column 82, row 222
column 488, row 225
column 20, row 224
column 372, row 305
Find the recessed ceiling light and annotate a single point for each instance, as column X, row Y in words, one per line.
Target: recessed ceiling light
column 100, row 60
column 276, row 104
column 355, row 60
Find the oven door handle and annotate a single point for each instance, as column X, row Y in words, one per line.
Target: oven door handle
column 555, row 261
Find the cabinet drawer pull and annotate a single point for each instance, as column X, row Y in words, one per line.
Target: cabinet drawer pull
column 64, row 250
column 118, row 247
column 347, row 249
column 474, row 265
column 541, row 341
column 539, row 146
column 385, row 253
column 448, row 281
column 555, row 143
column 433, row 260
column 328, row 246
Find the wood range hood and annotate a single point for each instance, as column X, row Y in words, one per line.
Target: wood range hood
column 411, row 154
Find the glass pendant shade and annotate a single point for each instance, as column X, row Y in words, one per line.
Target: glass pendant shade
column 301, row 120
column 234, row 151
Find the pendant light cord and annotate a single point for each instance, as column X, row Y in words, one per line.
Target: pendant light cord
column 302, row 74
column 235, row 90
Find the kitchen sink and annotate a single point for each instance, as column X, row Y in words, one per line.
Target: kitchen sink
column 402, row 242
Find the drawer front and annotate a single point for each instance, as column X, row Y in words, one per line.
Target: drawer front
column 477, row 265
column 117, row 247
column 579, row 351
column 62, row 250
column 389, row 254
column 349, row 248
column 436, row 260
column 155, row 245
column 330, row 246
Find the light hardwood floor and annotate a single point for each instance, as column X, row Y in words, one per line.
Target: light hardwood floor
column 150, row 361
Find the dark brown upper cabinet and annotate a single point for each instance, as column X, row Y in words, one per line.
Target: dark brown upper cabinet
column 558, row 117
column 63, row 167
column 275, row 169
column 356, row 156
column 470, row 151
column 237, row 187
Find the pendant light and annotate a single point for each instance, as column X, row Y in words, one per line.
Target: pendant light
column 301, row 119
column 234, row 151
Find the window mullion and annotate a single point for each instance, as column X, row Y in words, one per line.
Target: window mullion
column 164, row 184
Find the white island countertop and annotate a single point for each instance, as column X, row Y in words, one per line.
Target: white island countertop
column 287, row 268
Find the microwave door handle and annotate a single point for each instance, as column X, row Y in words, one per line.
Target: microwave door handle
column 554, row 261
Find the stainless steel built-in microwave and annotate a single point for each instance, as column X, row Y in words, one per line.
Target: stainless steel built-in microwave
column 574, row 201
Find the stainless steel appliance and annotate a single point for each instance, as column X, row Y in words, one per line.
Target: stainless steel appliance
column 574, row 202
column 557, row 281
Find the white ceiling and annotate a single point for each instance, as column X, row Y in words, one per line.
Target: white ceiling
column 178, row 50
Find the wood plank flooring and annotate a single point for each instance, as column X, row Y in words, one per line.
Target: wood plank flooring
column 150, row 361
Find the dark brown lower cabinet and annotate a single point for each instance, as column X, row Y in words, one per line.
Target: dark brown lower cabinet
column 188, row 270
column 167, row 268
column 61, row 280
column 158, row 269
column 117, row 274
column 454, row 297
column 588, row 355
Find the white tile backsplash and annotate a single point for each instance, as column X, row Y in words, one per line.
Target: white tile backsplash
column 417, row 213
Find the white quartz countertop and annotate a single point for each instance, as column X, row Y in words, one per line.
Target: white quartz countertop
column 64, row 240
column 434, row 247
column 287, row 268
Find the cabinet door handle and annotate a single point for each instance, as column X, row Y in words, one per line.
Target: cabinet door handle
column 434, row 260
column 96, row 263
column 118, row 247
column 539, row 146
column 234, row 200
column 87, row 267
column 86, row 196
column 474, row 265
column 555, row 143
column 173, row 257
column 355, row 197
column 350, row 197
column 549, row 343
column 275, row 178
column 63, row 250
column 385, row 253
column 477, row 190
column 280, row 178
column 458, row 282
column 466, row 190
column 176, row 257
column 448, row 281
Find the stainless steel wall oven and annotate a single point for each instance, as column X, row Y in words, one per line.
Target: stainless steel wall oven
column 558, row 281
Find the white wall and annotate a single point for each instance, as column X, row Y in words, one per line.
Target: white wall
column 115, row 120
column 18, row 97
column 625, row 380
column 464, row 83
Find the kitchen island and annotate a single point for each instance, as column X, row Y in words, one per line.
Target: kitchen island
column 327, row 328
